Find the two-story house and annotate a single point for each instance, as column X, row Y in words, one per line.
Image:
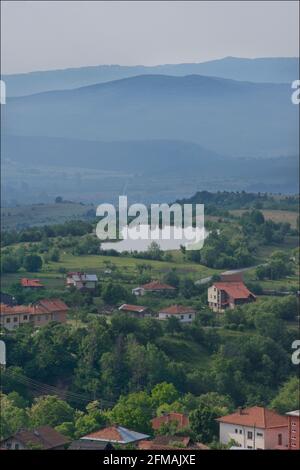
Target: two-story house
column 230, row 294
column 255, row 428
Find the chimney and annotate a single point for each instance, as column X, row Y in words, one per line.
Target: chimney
column 240, row 410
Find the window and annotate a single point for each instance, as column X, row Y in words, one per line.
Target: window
column 280, row 439
column 236, row 431
column 249, row 447
column 241, row 431
column 17, row 446
column 8, row 320
column 25, row 317
column 39, row 317
column 8, row 445
column 260, row 434
column 15, row 319
column 182, row 317
column 249, row 435
column 190, row 316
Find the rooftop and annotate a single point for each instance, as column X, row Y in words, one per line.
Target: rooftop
column 294, row 413
column 237, row 290
column 177, row 309
column 256, row 416
column 156, row 285
column 116, row 434
column 44, row 437
column 25, row 282
column 132, row 308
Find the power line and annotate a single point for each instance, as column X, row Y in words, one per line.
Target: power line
column 52, row 390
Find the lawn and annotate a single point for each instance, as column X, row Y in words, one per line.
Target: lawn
column 275, row 215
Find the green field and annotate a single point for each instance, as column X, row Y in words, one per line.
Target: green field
column 42, row 214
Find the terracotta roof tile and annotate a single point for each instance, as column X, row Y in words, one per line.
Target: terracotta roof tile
column 156, row 285
column 237, row 290
column 43, row 436
column 25, row 282
column 177, row 309
column 255, row 416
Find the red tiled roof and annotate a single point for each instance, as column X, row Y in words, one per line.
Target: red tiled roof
column 156, row 285
column 255, row 416
column 116, row 434
column 43, row 436
column 25, row 282
column 49, row 306
column 15, row 310
column 177, row 309
column 236, row 290
column 132, row 308
column 40, row 307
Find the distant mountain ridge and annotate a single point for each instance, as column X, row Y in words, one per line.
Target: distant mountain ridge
column 271, row 70
column 227, row 117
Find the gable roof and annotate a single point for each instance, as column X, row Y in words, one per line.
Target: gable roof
column 15, row 310
column 25, row 282
column 132, row 308
column 236, row 290
column 43, row 436
column 116, row 434
column 177, row 309
column 78, row 276
column 255, row 416
column 156, row 285
column 49, row 306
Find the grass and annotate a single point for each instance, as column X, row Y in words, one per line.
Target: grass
column 41, row 214
column 275, row 215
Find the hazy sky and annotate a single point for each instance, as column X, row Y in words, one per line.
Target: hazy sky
column 42, row 35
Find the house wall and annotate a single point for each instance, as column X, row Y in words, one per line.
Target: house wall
column 272, row 437
column 294, row 432
column 13, row 444
column 183, row 317
column 20, row 318
column 45, row 318
column 240, row 435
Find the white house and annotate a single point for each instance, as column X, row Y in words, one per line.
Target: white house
column 182, row 313
column 255, row 428
column 154, row 287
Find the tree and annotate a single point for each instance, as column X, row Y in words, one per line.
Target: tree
column 133, row 411
column 172, row 278
column 33, row 263
column 203, row 423
column 12, row 417
column 287, row 398
column 9, row 264
column 164, row 393
column 50, row 410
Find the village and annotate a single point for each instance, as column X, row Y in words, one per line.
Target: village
column 254, row 427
